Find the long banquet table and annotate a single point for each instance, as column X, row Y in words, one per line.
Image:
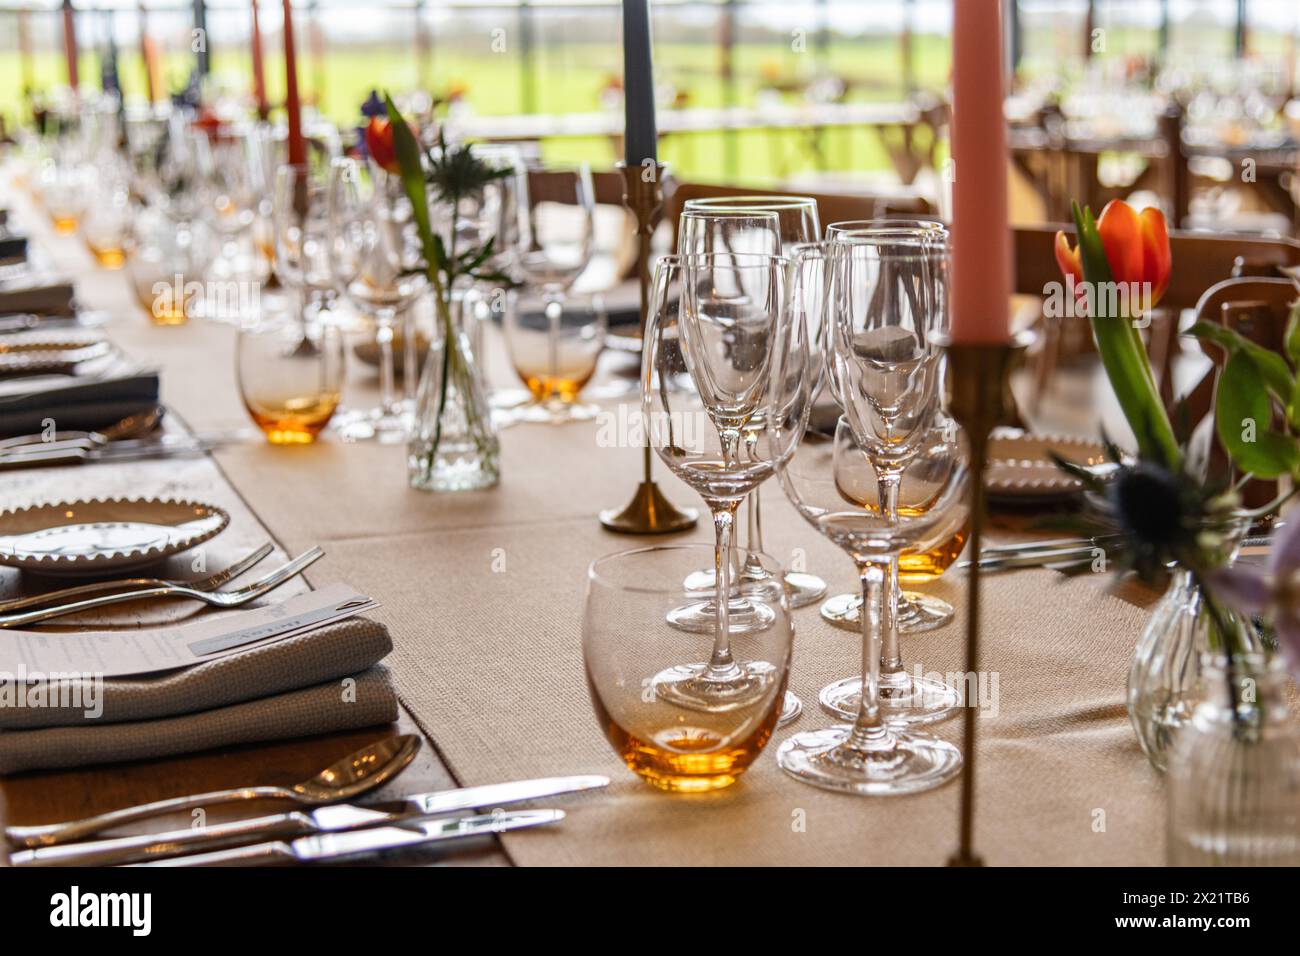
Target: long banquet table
column 483, row 594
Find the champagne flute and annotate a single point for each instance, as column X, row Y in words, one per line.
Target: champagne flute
column 719, row 331
column 916, row 612
column 768, row 224
column 886, row 299
column 374, row 258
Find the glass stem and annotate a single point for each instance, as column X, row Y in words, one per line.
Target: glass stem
column 384, row 337
column 721, row 664
column 754, row 527
column 554, row 312
column 891, row 659
column 869, row 732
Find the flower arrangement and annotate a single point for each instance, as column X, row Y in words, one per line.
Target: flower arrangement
column 446, row 176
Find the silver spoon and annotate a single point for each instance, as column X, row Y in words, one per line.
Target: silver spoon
column 368, row 768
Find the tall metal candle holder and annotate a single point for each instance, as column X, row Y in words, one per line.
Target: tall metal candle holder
column 977, row 386
column 649, row 512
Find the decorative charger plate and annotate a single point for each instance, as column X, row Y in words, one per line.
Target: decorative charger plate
column 94, row 537
column 28, row 355
column 1019, row 465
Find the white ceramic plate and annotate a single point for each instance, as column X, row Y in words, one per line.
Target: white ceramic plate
column 1019, row 466
column 99, row 537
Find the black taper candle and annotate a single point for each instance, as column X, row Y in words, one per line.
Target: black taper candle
column 640, row 137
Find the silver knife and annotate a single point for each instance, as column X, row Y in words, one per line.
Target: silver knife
column 331, row 819
column 345, row 846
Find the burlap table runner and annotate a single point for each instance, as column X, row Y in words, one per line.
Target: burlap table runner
column 483, row 595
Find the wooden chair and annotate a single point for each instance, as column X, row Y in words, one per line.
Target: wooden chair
column 1259, row 309
column 1200, row 260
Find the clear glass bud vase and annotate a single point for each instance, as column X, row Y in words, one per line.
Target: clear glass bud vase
column 1234, row 771
column 1165, row 682
column 453, row 445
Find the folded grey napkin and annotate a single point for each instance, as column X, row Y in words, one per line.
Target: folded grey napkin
column 363, row 701
column 43, row 299
column 324, row 654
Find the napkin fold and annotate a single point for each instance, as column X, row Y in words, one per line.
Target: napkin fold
column 77, row 403
column 362, row 701
column 321, row 681
column 54, row 299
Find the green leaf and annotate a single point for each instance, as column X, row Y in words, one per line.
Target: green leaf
column 1292, row 340
column 1243, row 416
column 1125, row 358
column 1277, row 376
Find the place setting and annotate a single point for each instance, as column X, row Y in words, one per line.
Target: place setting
column 651, row 435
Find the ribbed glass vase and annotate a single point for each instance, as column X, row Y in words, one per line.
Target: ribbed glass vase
column 1165, row 683
column 453, row 444
column 1234, row 771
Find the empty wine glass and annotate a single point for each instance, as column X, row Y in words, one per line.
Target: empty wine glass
column 374, row 257
column 775, row 225
column 916, row 612
column 719, row 329
column 886, row 299
column 555, row 246
column 875, row 754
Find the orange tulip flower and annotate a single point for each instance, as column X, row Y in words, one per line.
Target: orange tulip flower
column 1137, row 249
column 379, row 144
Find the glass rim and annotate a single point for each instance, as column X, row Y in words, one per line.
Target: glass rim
column 716, row 203
column 766, row 214
column 893, row 247
column 889, row 222
column 766, row 260
column 692, row 547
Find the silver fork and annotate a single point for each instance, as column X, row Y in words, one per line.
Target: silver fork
column 210, row 583
column 235, row 598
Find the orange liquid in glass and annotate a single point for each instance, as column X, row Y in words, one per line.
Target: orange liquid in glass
column 295, row 420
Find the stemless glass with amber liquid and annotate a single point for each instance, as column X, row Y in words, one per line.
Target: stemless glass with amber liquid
column 290, row 377
column 554, row 351
column 669, row 742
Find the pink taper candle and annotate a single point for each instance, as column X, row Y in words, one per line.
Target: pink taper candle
column 981, row 236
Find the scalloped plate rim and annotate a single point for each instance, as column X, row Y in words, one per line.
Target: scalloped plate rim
column 64, row 564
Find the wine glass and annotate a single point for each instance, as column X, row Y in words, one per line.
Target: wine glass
column 555, row 247
column 719, row 330
column 374, row 257
column 875, row 754
column 674, row 748
column 916, row 612
column 886, row 300
column 776, row 225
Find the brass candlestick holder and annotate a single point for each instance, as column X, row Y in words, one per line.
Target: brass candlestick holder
column 649, row 512
column 977, row 389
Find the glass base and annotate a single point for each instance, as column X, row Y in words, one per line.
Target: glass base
column 701, row 617
column 903, row 699
column 917, row 612
column 553, row 413
column 791, row 708
column 691, row 687
column 803, row 589
column 371, row 425
column 916, row 761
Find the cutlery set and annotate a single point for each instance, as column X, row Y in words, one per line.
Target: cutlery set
column 20, row 612
column 333, row 830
